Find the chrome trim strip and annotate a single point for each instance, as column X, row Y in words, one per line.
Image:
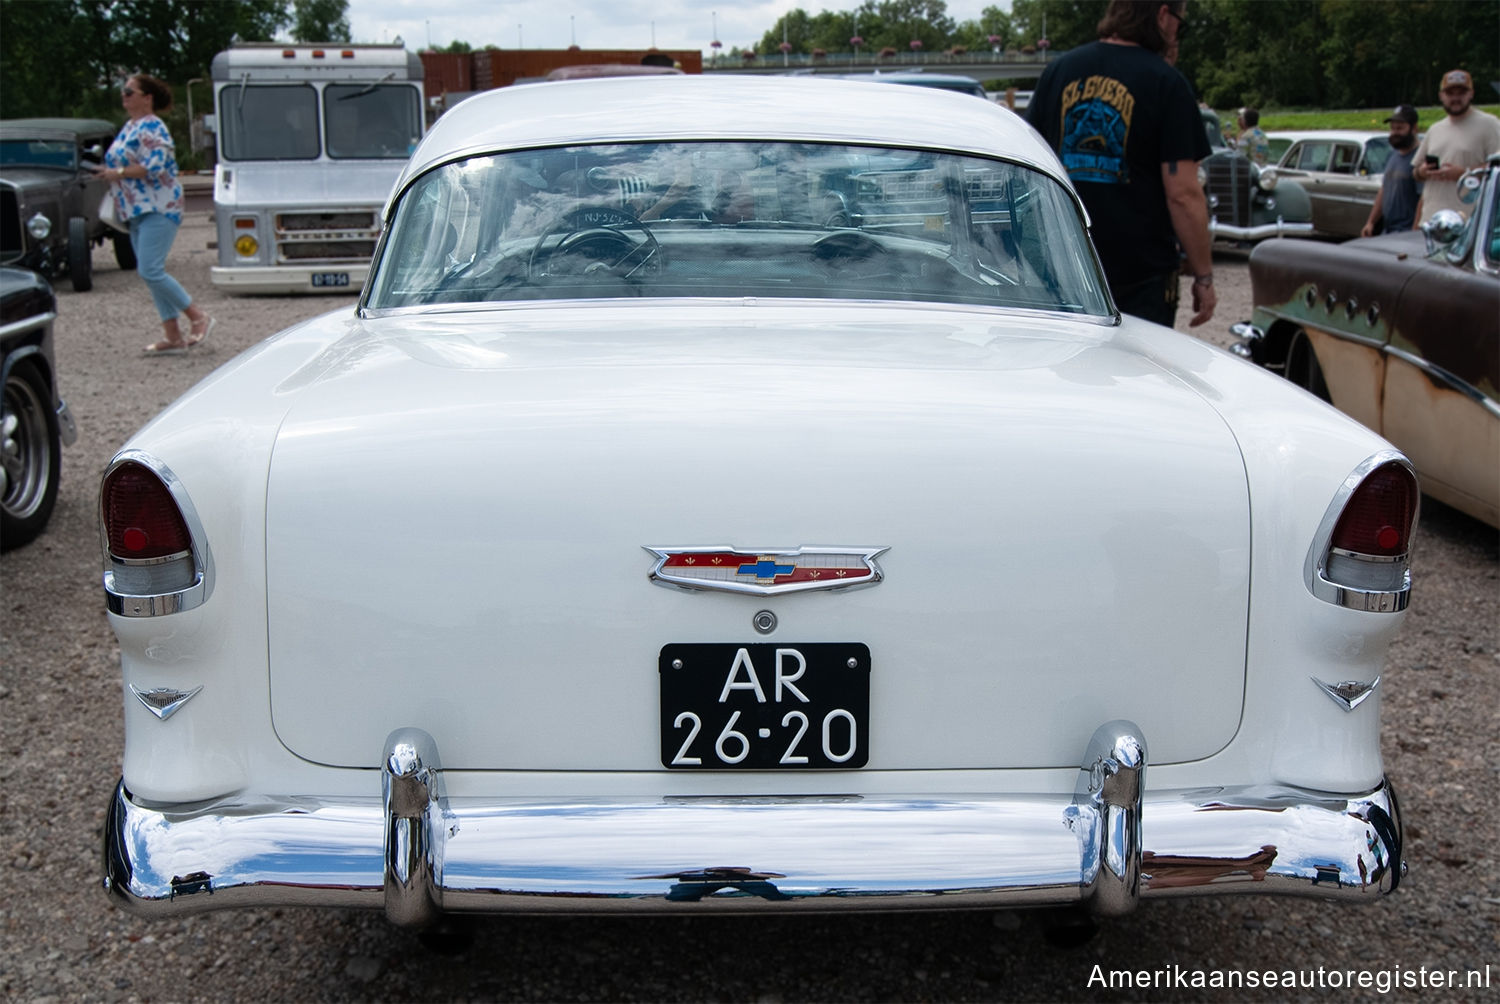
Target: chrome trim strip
column 1315, row 567
column 202, row 587
column 1278, row 229
column 837, row 852
column 1447, row 378
column 27, row 323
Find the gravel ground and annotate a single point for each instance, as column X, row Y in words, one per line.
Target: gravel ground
column 60, row 700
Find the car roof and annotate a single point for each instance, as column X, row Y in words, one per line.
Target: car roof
column 54, row 128
column 1351, row 135
column 630, row 109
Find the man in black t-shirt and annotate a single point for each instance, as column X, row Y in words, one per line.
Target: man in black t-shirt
column 1127, row 128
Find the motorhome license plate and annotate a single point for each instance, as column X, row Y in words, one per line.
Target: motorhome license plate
column 326, row 279
column 765, row 706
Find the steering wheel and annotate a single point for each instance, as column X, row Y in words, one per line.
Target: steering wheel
column 594, row 241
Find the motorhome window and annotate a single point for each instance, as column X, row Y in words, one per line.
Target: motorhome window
column 368, row 121
column 269, row 122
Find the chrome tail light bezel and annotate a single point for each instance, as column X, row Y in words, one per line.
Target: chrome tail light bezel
column 1322, row 556
column 196, row 562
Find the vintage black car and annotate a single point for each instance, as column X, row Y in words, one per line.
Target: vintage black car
column 1402, row 332
column 34, row 420
column 49, row 197
column 1247, row 202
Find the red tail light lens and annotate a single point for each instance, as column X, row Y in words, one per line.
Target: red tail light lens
column 141, row 520
column 1378, row 518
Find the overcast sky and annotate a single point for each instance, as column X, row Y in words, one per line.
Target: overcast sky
column 591, row 24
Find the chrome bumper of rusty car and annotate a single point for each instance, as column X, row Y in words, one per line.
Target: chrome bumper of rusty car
column 417, row 854
column 1230, row 232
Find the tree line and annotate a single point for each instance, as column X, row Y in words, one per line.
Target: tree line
column 68, row 57
column 1268, row 53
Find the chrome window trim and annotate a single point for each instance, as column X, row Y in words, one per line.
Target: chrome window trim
column 1315, row 567
column 156, row 605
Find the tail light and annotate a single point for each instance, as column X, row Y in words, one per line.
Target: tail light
column 153, row 563
column 1360, row 558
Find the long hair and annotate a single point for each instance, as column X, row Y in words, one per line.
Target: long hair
column 161, row 94
column 1135, row 21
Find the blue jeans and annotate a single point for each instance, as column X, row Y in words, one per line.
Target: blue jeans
column 151, row 236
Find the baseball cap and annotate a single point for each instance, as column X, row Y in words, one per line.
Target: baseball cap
column 1457, row 78
column 1404, row 113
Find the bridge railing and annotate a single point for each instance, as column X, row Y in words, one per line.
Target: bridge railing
column 867, row 59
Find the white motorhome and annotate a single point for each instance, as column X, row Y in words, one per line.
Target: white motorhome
column 310, row 140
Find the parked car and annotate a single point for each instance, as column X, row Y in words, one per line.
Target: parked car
column 34, row 420
column 50, row 197
column 957, row 83
column 748, row 563
column 1341, row 171
column 1401, row 331
column 1247, row 202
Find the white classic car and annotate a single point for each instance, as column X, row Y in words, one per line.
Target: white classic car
column 660, row 533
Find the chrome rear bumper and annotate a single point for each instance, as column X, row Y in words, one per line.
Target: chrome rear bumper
column 417, row 854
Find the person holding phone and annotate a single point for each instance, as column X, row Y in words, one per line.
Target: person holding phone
column 1465, row 138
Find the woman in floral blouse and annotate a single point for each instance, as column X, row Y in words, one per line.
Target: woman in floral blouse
column 143, row 171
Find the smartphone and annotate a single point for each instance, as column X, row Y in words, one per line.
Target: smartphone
column 1432, row 161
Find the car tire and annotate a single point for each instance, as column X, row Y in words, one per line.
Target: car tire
column 1302, row 367
column 31, row 452
column 80, row 255
column 124, row 252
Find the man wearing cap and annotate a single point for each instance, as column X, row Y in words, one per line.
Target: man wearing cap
column 1465, row 139
column 1396, row 203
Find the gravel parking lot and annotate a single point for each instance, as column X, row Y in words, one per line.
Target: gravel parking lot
column 60, row 698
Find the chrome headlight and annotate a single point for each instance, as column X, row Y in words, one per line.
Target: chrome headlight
column 1202, row 175
column 39, row 227
column 1267, row 179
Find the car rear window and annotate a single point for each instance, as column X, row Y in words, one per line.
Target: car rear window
column 754, row 219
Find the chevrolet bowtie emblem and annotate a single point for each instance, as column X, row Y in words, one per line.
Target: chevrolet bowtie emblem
column 766, row 571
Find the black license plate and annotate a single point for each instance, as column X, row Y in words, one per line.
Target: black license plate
column 765, row 706
column 325, row 279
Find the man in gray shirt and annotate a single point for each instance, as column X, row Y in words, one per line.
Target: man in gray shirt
column 1396, row 203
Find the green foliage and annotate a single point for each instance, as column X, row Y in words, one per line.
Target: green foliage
column 1335, row 53
column 1370, row 119
column 320, row 20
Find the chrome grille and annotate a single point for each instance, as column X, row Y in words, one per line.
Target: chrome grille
column 1229, row 188
column 12, row 240
column 337, row 237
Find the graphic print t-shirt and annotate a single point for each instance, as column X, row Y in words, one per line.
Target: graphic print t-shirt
column 1115, row 114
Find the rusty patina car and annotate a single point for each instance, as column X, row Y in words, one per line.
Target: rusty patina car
column 1402, row 332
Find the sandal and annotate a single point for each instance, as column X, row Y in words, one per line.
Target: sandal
column 166, row 349
column 195, row 336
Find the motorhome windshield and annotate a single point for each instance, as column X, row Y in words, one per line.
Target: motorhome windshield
column 371, row 121
column 269, row 122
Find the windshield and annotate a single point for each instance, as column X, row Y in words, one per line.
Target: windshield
column 738, row 219
column 372, row 121
column 37, row 153
column 268, row 122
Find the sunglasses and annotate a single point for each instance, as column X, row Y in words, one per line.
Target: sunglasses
column 1182, row 24
column 129, row 92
